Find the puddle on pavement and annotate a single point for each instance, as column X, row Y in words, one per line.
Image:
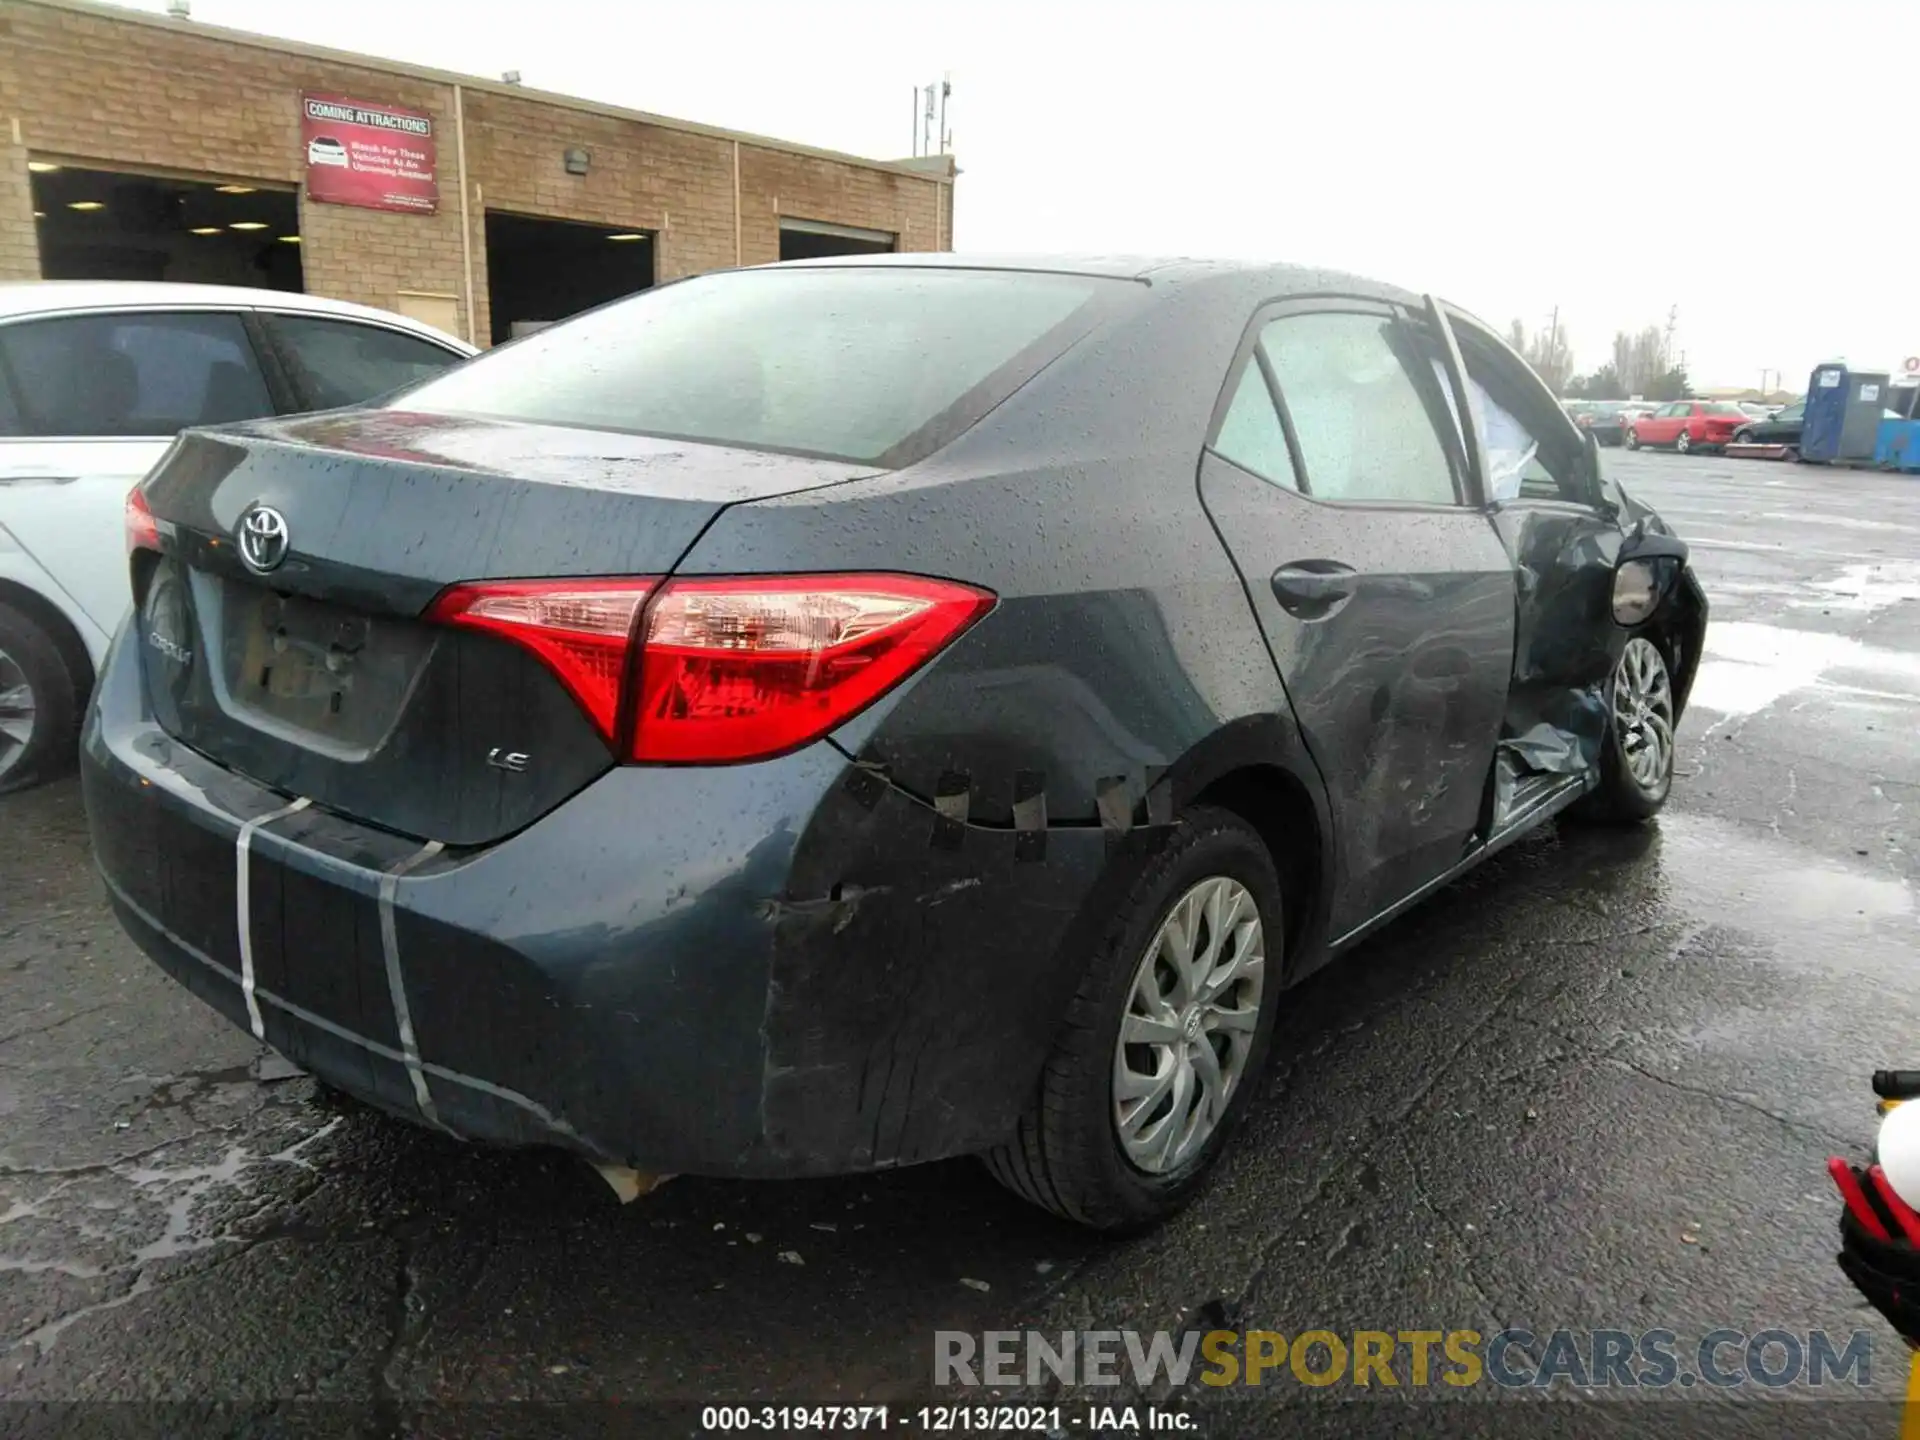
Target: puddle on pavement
column 1815, row 911
column 1748, row 666
column 179, row 1193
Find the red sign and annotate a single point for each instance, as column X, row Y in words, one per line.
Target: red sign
column 377, row 156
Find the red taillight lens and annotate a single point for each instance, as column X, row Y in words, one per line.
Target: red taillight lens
column 728, row 670
column 579, row 628
column 143, row 532
column 743, row 669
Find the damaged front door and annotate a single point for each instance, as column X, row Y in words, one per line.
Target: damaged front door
column 1543, row 495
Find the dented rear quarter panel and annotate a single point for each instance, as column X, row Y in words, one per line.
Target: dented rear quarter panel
column 1121, row 671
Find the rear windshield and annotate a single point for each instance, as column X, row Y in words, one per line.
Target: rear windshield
column 871, row 364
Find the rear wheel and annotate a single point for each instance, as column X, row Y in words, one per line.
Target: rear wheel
column 1636, row 759
column 1683, row 443
column 39, row 704
column 1166, row 1038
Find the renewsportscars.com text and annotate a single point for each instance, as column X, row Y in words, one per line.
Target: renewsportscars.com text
column 1512, row 1359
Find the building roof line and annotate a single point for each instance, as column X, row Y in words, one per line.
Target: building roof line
column 117, row 14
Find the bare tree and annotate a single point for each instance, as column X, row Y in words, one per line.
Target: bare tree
column 1640, row 360
column 1549, row 352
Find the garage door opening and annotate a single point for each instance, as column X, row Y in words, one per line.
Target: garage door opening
column 540, row 271
column 107, row 225
column 815, row 240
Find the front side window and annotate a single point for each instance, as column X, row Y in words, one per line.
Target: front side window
column 878, row 364
column 1364, row 429
column 342, row 362
column 1531, row 450
column 130, row 375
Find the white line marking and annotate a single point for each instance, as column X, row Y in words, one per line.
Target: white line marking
column 373, row 1047
column 243, row 906
column 396, row 985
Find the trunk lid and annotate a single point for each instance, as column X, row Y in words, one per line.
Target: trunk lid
column 320, row 679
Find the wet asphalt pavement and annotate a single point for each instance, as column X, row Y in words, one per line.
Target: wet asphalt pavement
column 1592, row 1085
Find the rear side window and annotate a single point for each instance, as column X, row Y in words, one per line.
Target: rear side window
column 1251, row 435
column 1364, row 428
column 342, row 362
column 875, row 364
column 137, row 374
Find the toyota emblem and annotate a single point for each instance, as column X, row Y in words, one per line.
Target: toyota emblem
column 263, row 538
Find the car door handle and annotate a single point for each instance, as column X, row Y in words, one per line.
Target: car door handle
column 1311, row 589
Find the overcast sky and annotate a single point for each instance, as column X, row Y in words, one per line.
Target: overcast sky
column 1744, row 162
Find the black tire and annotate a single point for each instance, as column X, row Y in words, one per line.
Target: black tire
column 1742, row 437
column 1065, row 1155
column 51, row 744
column 1620, row 798
column 1683, row 443
column 1631, row 439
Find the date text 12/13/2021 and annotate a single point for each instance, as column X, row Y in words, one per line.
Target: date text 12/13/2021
column 948, row 1419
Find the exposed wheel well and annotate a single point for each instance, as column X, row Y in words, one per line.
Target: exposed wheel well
column 1277, row 805
column 59, row 629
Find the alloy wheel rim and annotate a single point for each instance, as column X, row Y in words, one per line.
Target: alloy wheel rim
column 1188, row 1028
column 1643, row 713
column 17, row 713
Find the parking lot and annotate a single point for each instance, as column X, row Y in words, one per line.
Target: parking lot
column 1591, row 1086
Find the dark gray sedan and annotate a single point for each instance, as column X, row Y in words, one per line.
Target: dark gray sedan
column 840, row 715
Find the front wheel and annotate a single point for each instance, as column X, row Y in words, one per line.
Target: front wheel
column 39, row 704
column 1636, row 758
column 1632, row 439
column 1683, row 443
column 1164, row 1041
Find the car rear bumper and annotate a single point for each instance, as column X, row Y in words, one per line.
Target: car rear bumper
column 783, row 969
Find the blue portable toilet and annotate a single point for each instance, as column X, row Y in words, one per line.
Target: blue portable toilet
column 1844, row 409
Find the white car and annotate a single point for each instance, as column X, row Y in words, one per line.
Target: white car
column 325, row 150
column 96, row 378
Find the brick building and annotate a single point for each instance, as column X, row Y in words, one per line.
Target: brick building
column 143, row 147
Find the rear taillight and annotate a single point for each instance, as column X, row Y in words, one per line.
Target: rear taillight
column 743, row 669
column 579, row 629
column 142, row 531
column 724, row 670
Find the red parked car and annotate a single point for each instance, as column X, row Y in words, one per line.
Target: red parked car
column 1688, row 425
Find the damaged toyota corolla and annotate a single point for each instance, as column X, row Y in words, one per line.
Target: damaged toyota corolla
column 834, row 716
